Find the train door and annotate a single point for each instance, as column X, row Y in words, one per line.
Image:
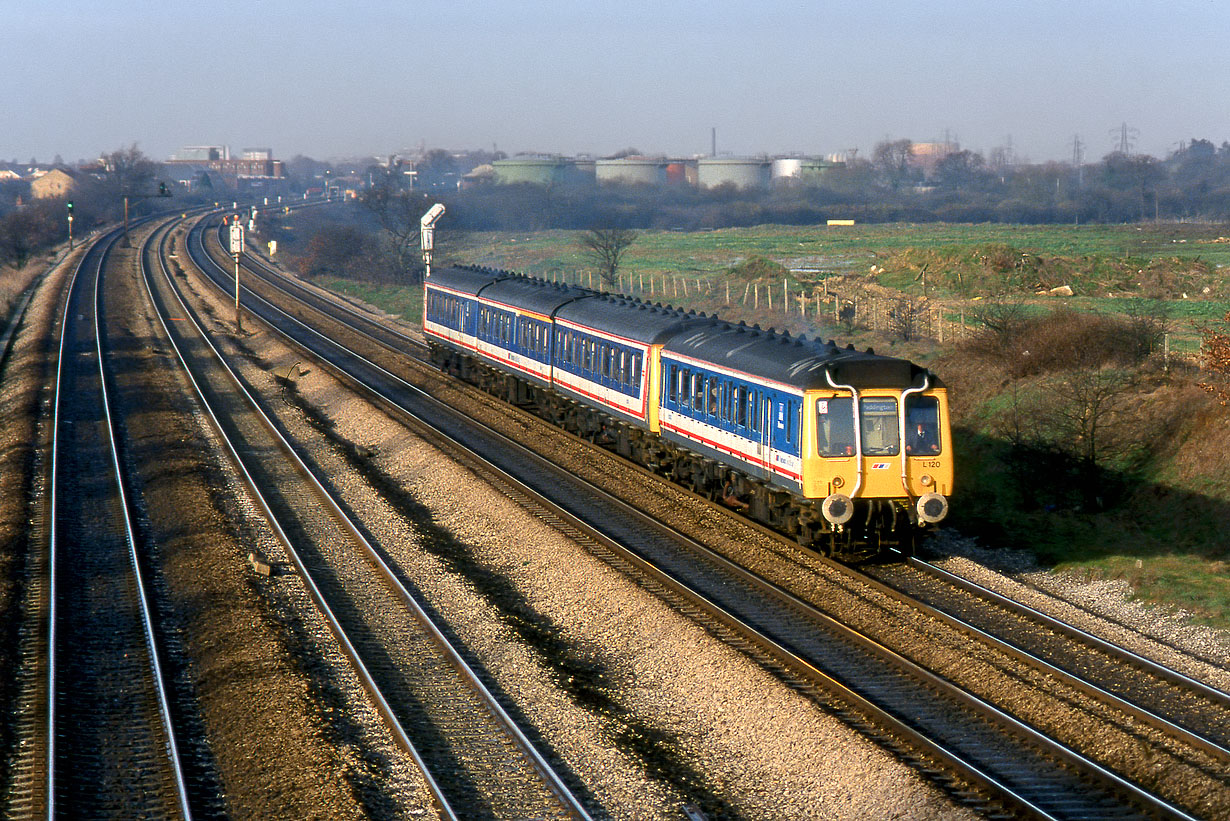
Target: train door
column 764, row 433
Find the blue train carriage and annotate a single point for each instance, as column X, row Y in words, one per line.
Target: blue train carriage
column 607, row 357
column 450, row 297
column 494, row 328
column 770, row 421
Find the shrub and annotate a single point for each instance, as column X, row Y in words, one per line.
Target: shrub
column 1064, row 340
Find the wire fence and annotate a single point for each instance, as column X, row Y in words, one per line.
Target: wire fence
column 810, row 301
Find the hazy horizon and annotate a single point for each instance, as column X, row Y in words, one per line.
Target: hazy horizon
column 374, row 78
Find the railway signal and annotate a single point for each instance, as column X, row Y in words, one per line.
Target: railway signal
column 427, row 233
column 236, row 251
column 70, row 225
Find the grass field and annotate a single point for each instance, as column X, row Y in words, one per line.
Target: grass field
column 1109, row 267
column 1180, row 270
column 841, row 248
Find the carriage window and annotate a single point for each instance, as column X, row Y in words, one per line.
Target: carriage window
column 922, row 425
column 790, row 414
column 879, row 424
column 698, row 392
column 835, row 426
column 672, row 384
column 741, row 406
column 636, row 369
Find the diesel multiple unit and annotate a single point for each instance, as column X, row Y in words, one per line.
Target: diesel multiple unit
column 848, row 452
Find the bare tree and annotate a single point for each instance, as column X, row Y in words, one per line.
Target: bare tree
column 847, row 315
column 606, row 248
column 23, row 233
column 398, row 214
column 892, row 162
column 1072, row 437
column 904, row 318
column 1002, row 317
column 128, row 171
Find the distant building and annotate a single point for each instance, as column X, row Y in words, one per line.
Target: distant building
column 254, row 163
column 201, row 153
column 58, row 182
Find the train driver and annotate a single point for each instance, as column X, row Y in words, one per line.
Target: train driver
column 922, row 439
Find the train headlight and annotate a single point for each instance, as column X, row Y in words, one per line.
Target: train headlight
column 838, row 481
column 926, row 479
column 837, row 508
column 931, row 507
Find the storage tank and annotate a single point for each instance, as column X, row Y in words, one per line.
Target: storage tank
column 631, row 171
column 742, row 172
column 787, row 168
column 677, row 173
column 537, row 170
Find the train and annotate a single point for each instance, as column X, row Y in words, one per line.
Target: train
column 760, row 421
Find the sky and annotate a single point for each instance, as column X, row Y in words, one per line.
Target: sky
column 372, row 77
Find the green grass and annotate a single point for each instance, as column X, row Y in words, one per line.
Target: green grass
column 842, row 248
column 400, row 300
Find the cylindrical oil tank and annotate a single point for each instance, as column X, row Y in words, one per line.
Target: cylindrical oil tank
column 537, row 170
column 631, row 170
column 741, row 172
column 677, row 173
column 787, row 168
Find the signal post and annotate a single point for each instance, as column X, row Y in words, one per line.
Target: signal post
column 236, row 252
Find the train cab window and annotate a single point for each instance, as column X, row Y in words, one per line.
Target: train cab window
column 835, row 426
column 922, row 425
column 879, row 423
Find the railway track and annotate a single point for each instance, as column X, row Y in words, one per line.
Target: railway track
column 1184, row 708
column 972, row 741
column 478, row 762
column 96, row 732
